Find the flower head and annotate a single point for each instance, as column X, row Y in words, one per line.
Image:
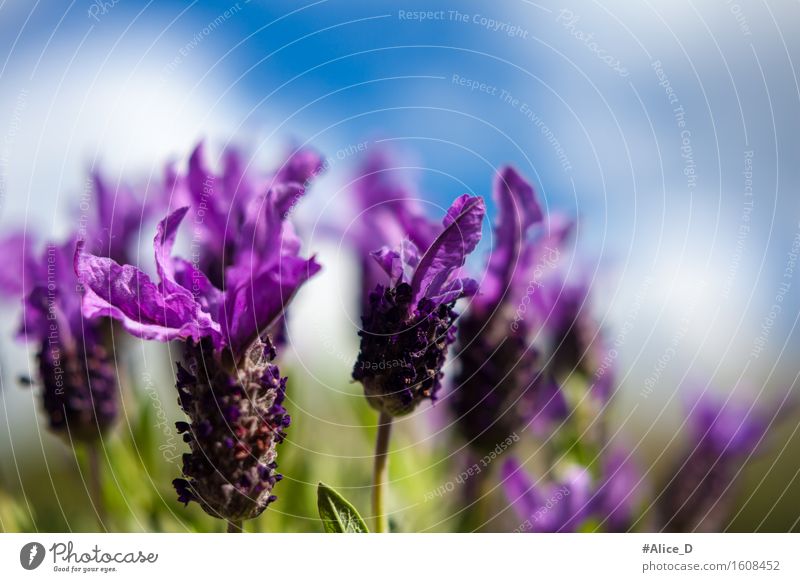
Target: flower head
column 184, row 305
column 502, row 385
column 75, row 367
column 231, row 469
column 409, row 324
column 227, row 385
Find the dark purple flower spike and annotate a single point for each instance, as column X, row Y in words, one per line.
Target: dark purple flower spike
column 236, row 424
column 409, row 324
column 227, row 385
column 502, row 386
column 74, row 366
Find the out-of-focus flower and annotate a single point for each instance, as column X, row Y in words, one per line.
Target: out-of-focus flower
column 114, row 228
column 610, row 502
column 409, row 324
column 74, row 360
column 228, row 387
column 17, row 250
column 502, row 385
column 237, row 213
column 576, row 339
column 75, row 367
column 699, row 490
column 389, row 211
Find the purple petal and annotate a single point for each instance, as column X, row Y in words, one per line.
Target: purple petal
column 390, row 207
column 519, row 211
column 120, row 214
column 301, row 167
column 53, row 293
column 549, row 405
column 399, row 264
column 461, row 234
column 520, row 491
column 286, row 196
column 730, row 427
column 455, row 290
column 205, row 193
column 166, row 232
column 128, row 295
column 618, row 494
column 20, row 265
column 258, row 301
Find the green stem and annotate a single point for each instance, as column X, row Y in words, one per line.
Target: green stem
column 381, row 473
column 235, row 526
column 474, row 500
column 96, row 484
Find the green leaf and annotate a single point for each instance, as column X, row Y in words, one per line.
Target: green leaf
column 337, row 514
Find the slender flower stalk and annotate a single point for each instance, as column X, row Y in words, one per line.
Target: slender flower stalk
column 381, row 473
column 96, row 483
column 410, row 323
column 227, row 384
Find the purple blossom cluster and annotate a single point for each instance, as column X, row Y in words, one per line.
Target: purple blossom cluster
column 521, row 354
column 74, row 356
column 227, row 384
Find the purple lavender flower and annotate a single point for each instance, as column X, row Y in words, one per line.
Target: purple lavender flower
column 566, row 505
column 75, row 369
column 74, row 360
column 409, row 324
column 698, row 494
column 502, row 386
column 227, row 385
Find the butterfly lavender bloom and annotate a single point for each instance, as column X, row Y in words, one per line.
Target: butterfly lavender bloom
column 699, row 490
column 568, row 503
column 501, row 386
column 74, row 355
column 75, row 369
column 409, row 324
column 227, row 385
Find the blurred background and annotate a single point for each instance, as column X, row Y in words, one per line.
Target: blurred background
column 669, row 129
